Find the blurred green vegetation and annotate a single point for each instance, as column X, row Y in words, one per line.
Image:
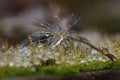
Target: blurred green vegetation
column 63, row 70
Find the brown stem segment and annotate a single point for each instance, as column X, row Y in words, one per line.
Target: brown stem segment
column 87, row 42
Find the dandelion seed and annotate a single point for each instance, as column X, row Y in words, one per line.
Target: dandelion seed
column 56, row 40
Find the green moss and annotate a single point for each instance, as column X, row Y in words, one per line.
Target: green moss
column 63, row 70
column 57, row 70
column 62, row 60
column 7, row 71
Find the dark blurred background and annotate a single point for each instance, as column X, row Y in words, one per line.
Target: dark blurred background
column 101, row 14
column 16, row 16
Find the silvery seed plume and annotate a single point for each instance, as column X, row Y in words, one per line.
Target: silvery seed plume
column 50, row 32
column 63, row 27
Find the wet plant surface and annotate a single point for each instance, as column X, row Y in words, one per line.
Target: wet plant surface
column 55, row 47
column 62, row 60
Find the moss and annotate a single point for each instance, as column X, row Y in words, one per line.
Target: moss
column 7, row 71
column 63, row 70
column 62, row 60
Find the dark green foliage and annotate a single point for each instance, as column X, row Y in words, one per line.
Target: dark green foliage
column 63, row 70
